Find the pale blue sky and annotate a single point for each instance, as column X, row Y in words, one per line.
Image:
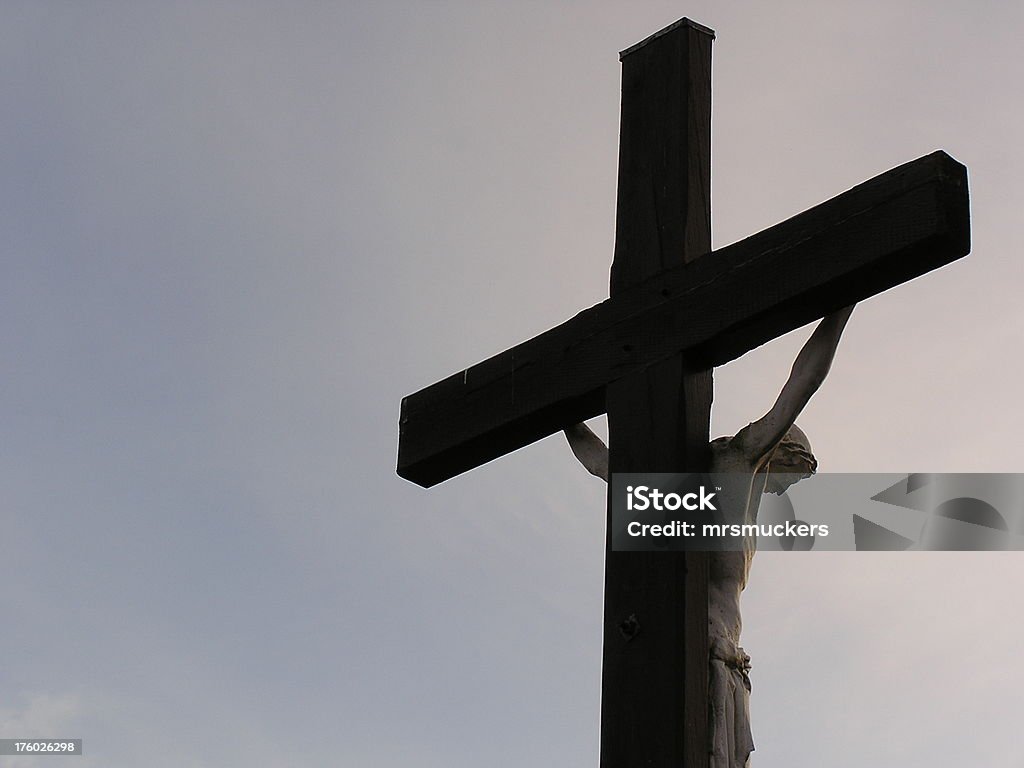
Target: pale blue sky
column 236, row 234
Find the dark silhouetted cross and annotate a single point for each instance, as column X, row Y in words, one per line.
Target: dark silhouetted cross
column 645, row 356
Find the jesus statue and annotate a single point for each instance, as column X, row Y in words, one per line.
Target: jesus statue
column 772, row 453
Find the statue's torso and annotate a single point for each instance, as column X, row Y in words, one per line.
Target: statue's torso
column 739, row 498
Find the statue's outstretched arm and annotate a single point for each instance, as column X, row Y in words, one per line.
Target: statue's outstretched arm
column 589, row 449
column 809, row 371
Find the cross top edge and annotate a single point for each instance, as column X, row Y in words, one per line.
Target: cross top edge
column 683, row 22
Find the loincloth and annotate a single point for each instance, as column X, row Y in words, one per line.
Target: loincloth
column 729, row 682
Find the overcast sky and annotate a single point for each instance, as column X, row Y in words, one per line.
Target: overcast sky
column 236, row 234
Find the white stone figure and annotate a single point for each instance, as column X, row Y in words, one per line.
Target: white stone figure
column 774, row 453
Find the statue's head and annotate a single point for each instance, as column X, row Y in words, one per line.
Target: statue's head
column 791, row 461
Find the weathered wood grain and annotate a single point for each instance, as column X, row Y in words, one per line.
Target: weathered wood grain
column 655, row 665
column 890, row 229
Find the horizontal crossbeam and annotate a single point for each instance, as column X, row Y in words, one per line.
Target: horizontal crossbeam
column 890, row 229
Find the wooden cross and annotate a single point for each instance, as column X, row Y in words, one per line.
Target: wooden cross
column 645, row 356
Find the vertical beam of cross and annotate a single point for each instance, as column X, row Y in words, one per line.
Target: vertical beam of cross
column 654, row 685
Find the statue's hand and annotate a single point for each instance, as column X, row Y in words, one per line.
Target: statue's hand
column 589, row 449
